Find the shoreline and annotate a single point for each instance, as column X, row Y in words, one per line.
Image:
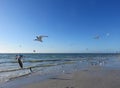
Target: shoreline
column 25, row 80
column 33, row 77
column 93, row 77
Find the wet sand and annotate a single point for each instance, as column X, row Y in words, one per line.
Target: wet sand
column 89, row 78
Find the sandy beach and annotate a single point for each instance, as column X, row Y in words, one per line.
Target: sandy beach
column 90, row 78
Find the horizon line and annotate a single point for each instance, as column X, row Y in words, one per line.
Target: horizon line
column 68, row 53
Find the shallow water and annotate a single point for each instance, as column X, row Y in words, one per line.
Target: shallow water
column 53, row 63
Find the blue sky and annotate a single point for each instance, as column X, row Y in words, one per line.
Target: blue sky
column 70, row 25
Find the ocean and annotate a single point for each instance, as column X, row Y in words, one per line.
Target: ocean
column 53, row 63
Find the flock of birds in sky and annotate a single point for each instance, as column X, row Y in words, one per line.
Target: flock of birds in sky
column 40, row 38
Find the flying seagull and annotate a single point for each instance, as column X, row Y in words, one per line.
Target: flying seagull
column 39, row 38
column 97, row 37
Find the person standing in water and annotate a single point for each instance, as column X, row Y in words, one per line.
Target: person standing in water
column 18, row 57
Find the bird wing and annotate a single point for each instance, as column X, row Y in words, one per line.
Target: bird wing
column 96, row 37
column 37, row 37
column 43, row 36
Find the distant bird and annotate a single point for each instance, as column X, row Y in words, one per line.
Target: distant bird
column 97, row 37
column 34, row 51
column 39, row 38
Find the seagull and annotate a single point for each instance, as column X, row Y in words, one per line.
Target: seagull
column 97, row 37
column 39, row 38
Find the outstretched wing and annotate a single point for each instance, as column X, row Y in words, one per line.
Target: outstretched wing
column 97, row 37
column 43, row 36
column 39, row 38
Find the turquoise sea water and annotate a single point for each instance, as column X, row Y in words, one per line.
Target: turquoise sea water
column 53, row 63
